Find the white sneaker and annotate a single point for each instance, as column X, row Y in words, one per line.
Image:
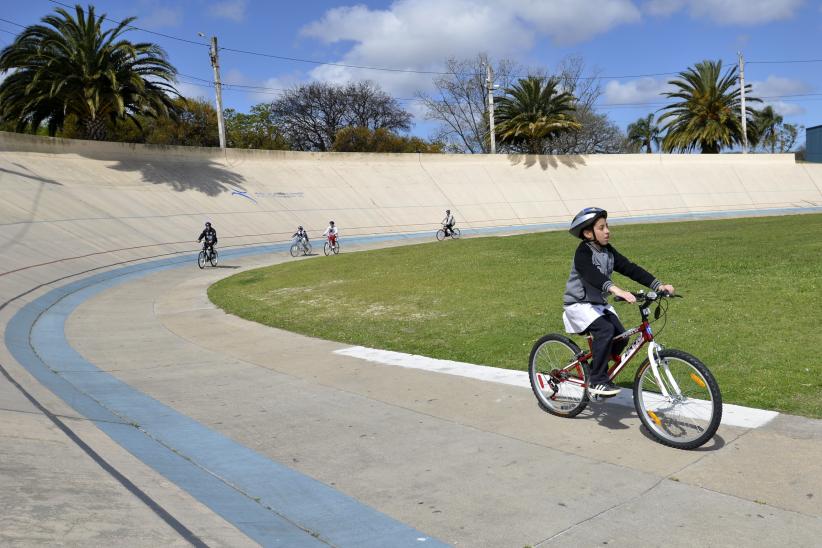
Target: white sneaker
column 605, row 389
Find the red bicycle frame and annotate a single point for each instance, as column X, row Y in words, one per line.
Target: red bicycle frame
column 619, row 362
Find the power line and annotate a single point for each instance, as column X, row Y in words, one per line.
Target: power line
column 12, row 23
column 169, row 36
column 785, row 62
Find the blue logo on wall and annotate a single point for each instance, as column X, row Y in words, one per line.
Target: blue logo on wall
column 243, row 193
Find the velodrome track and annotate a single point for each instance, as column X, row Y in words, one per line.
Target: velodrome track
column 133, row 412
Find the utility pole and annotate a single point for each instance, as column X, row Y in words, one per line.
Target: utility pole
column 215, row 63
column 742, row 95
column 489, row 80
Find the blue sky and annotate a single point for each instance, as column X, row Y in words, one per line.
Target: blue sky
column 623, row 39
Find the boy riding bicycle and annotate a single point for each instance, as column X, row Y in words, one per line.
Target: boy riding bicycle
column 301, row 236
column 331, row 233
column 448, row 223
column 586, row 308
column 209, row 238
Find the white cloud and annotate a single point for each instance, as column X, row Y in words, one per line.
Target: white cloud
column 778, row 86
column 774, row 89
column 192, row 91
column 421, row 34
column 728, row 12
column 162, row 17
column 233, row 10
column 664, row 7
column 643, row 90
column 571, row 21
column 785, row 109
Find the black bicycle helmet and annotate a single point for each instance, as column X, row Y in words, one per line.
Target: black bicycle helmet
column 208, row 223
column 300, row 227
column 586, row 219
column 331, row 222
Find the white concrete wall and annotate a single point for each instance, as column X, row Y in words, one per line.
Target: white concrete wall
column 98, row 201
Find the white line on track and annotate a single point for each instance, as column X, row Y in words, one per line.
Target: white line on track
column 732, row 415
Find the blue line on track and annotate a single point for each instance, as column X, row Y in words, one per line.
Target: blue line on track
column 271, row 503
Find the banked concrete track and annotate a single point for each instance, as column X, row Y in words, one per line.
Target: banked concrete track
column 132, row 412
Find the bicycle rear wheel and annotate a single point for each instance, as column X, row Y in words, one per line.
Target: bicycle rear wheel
column 201, row 259
column 455, row 233
column 440, row 234
column 336, row 247
column 295, row 250
column 307, row 249
column 558, row 379
column 690, row 414
column 213, row 258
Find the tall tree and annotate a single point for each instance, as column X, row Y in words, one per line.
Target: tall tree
column 310, row 115
column 598, row 134
column 531, row 111
column 254, row 130
column 767, row 123
column 71, row 66
column 707, row 115
column 459, row 102
column 644, row 134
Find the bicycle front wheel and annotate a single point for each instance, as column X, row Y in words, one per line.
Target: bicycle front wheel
column 455, row 233
column 558, row 379
column 440, row 234
column 683, row 407
column 213, row 258
column 201, row 259
column 295, row 250
column 327, row 248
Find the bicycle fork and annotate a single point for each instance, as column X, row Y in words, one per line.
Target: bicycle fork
column 653, row 353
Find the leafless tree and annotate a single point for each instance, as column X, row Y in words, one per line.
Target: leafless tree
column 310, row 115
column 598, row 134
column 460, row 101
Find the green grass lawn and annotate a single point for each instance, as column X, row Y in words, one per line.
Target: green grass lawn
column 752, row 310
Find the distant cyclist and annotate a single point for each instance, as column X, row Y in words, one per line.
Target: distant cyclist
column 301, row 236
column 448, row 223
column 331, row 232
column 209, row 237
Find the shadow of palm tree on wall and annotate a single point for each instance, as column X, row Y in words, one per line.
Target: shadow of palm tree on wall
column 546, row 162
column 206, row 175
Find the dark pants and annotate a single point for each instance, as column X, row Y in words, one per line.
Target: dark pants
column 449, row 229
column 603, row 329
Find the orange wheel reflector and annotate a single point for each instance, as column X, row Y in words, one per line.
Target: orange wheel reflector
column 697, row 380
column 655, row 418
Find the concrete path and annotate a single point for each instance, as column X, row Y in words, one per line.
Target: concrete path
column 454, row 460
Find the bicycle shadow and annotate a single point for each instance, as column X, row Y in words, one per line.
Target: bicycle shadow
column 611, row 416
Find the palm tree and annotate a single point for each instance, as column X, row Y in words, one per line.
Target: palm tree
column 533, row 110
column 707, row 115
column 766, row 123
column 644, row 133
column 70, row 66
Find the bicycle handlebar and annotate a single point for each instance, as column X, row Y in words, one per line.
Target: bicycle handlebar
column 650, row 296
